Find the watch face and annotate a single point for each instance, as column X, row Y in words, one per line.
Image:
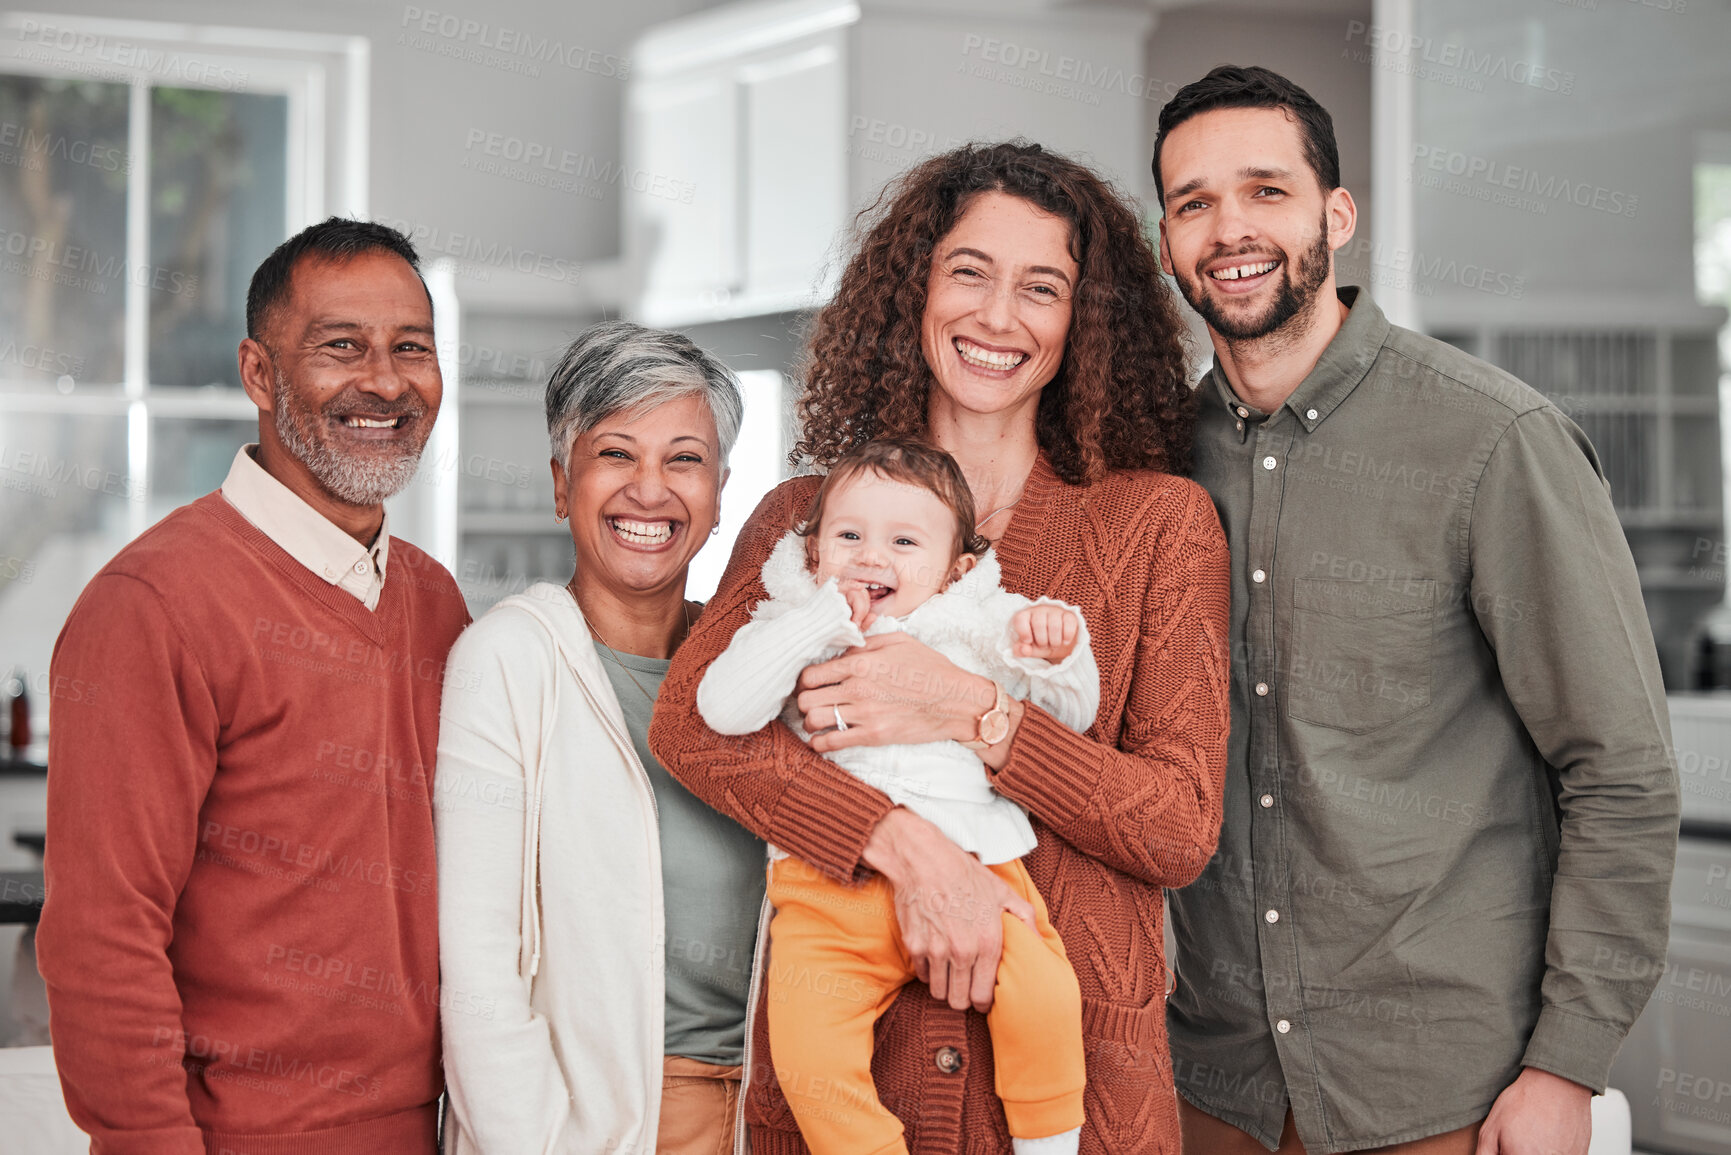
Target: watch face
column 994, row 726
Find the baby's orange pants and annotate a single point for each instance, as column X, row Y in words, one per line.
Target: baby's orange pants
column 836, row 962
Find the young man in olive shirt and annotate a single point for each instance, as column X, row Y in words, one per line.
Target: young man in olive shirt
column 1449, row 798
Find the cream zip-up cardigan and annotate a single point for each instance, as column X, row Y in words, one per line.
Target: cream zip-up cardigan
column 550, row 901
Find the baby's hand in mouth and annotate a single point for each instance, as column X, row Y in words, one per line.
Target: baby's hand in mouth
column 859, row 602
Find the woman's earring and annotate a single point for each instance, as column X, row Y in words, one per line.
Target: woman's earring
column 715, row 530
column 558, row 515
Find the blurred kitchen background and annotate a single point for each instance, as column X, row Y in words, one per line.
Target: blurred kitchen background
column 1546, row 183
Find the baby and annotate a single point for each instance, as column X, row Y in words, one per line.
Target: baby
column 889, row 544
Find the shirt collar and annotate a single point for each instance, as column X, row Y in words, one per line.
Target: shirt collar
column 304, row 533
column 1345, row 363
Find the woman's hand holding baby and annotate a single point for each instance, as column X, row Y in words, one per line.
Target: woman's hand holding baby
column 1045, row 631
column 893, row 689
column 947, row 907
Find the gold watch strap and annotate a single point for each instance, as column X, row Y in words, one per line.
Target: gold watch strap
column 1000, row 705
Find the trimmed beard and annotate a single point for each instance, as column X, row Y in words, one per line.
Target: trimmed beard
column 354, row 478
column 1293, row 298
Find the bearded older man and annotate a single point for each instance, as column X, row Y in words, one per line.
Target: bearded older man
column 239, row 942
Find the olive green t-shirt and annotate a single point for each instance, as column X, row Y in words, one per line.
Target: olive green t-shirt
column 712, row 880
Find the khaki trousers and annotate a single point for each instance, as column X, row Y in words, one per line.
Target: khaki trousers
column 698, row 1107
column 1206, row 1135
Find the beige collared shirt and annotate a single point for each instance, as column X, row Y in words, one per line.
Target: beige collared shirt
column 304, row 533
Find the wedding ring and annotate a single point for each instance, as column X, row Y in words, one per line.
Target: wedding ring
column 839, row 724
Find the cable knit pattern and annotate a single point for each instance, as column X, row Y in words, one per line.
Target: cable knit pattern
column 1130, row 807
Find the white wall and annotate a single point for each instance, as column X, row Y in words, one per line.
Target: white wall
column 1625, row 90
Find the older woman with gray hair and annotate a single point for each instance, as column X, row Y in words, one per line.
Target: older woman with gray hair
column 597, row 922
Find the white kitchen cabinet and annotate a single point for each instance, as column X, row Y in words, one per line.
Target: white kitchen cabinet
column 688, row 136
column 795, row 195
column 731, row 182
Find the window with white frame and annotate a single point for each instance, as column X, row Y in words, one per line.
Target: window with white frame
column 145, row 170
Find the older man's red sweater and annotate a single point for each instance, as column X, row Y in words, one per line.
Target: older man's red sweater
column 240, row 941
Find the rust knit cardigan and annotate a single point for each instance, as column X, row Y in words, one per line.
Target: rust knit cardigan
column 1131, row 807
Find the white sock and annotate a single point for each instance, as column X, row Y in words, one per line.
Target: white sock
column 1063, row 1143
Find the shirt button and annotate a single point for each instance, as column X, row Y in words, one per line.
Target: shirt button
column 361, row 567
column 1257, row 576
column 1268, row 463
column 1240, row 426
column 1243, row 412
column 948, row 1060
column 1262, row 689
column 1310, row 413
column 1272, row 916
column 1283, row 1026
column 1267, row 800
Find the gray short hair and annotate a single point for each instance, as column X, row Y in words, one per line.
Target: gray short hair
column 617, row 366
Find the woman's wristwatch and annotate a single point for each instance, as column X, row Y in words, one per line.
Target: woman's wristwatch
column 993, row 726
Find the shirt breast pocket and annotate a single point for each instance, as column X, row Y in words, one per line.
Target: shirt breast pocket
column 1360, row 652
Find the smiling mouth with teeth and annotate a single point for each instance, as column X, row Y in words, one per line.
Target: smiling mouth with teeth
column 1239, row 272
column 375, row 422
column 642, row 532
column 985, row 358
column 877, row 592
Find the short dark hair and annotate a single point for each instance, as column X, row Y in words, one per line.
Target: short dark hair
column 1231, row 86
column 333, row 239
column 911, row 462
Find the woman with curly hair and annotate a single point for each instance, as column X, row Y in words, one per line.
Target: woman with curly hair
column 1003, row 304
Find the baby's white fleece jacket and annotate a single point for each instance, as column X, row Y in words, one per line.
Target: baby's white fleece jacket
column 802, row 623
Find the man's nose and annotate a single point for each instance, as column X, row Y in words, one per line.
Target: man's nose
column 381, row 375
column 1232, row 224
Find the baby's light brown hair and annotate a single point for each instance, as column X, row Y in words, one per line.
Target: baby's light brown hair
column 909, row 461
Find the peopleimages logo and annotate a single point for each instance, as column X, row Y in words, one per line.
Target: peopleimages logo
column 479, row 255
column 542, row 164
column 45, row 474
column 1448, row 62
column 216, row 1058
column 1486, row 179
column 37, row 146
column 1039, row 70
column 1420, row 273
column 512, row 49
column 84, row 268
column 115, row 59
column 40, row 358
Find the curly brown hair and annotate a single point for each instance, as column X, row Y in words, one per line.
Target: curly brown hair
column 1119, row 400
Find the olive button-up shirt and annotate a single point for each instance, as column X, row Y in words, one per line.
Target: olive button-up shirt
column 1451, row 808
